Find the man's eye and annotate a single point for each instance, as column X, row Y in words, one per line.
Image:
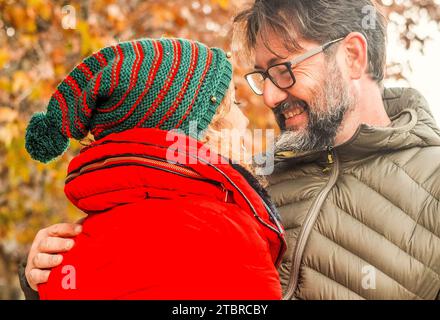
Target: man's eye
column 283, row 73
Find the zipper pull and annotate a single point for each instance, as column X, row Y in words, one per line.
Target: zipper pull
column 330, row 159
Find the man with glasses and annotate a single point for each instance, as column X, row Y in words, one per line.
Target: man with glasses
column 357, row 173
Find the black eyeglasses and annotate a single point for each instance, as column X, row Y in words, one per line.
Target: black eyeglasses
column 281, row 74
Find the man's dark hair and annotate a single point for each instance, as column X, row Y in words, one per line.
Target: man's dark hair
column 315, row 20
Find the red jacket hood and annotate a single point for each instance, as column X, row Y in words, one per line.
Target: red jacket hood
column 123, row 167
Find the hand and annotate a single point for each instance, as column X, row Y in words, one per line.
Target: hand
column 44, row 254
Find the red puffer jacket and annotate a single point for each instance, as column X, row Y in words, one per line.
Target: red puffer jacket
column 157, row 229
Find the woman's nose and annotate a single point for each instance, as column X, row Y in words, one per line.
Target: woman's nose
column 272, row 95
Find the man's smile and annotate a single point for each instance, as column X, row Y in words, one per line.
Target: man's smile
column 295, row 114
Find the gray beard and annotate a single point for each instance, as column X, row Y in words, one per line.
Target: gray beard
column 324, row 123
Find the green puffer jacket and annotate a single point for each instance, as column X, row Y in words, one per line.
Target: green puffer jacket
column 362, row 220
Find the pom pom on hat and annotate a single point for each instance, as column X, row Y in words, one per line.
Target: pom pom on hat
column 44, row 141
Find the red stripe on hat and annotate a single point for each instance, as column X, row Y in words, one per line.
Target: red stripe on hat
column 97, row 84
column 168, row 82
column 65, row 121
column 158, row 52
column 77, row 93
column 73, row 85
column 139, row 53
column 208, row 64
column 194, row 56
column 112, row 80
column 85, row 70
column 101, row 59
column 78, row 124
column 119, row 65
column 85, row 107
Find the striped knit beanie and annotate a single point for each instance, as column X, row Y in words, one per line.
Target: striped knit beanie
column 163, row 83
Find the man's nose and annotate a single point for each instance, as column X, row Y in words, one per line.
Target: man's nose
column 272, row 95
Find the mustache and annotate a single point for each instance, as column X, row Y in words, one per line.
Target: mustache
column 283, row 106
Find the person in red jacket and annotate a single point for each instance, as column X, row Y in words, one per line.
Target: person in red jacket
column 167, row 217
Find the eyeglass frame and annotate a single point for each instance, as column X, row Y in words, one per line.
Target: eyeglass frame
column 290, row 65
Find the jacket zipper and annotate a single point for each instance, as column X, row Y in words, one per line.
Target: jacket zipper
column 152, row 162
column 332, row 159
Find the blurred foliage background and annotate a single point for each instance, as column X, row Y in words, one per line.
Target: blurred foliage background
column 41, row 41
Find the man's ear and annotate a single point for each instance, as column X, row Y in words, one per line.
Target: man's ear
column 356, row 54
